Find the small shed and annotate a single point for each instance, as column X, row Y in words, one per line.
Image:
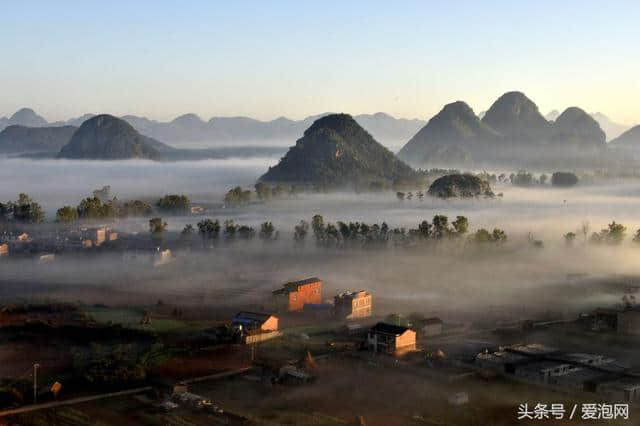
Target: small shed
column 247, row 322
column 390, row 338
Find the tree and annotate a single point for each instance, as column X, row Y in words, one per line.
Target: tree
column 317, row 225
column 187, row 231
column 569, row 238
column 543, row 179
column 230, row 229
column 25, row 210
column 66, row 214
column 460, row 225
column 103, row 194
column 174, row 204
column 440, row 226
column 425, row 229
column 135, row 208
column 612, row 235
column 384, row 229
column 616, row 233
column 237, row 196
column 94, row 208
column 400, row 196
column 636, row 237
column 266, row 231
column 246, row 232
column 564, row 179
column 6, row 209
column 332, row 234
column 263, row 192
column 209, row 229
column 157, row 226
column 482, row 236
column 522, row 178
column 300, row 231
column 498, row 235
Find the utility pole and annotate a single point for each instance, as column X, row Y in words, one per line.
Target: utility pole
column 35, row 382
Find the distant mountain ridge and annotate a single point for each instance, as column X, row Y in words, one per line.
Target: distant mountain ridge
column 629, row 139
column 233, row 130
column 450, row 134
column 511, row 131
column 20, row 139
column 610, row 128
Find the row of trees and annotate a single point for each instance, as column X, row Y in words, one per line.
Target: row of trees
column 100, row 206
column 23, row 210
column 238, row 196
column 93, row 208
column 340, row 234
column 614, row 234
column 362, row 234
column 211, row 230
column 103, row 206
column 525, row 179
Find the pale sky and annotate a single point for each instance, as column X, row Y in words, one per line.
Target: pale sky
column 266, row 59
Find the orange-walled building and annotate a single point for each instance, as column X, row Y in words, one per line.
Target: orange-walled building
column 390, row 338
column 294, row 295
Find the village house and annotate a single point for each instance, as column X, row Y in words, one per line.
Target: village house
column 97, row 236
column 250, row 322
column 389, row 338
column 47, row 258
column 351, row 305
column 432, row 327
column 295, row 294
column 253, row 327
column 162, row 257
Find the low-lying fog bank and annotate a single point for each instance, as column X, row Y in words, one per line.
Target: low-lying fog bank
column 454, row 283
column 55, row 183
column 545, row 211
column 516, row 280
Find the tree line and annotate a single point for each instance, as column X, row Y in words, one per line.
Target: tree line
column 614, row 234
column 103, row 206
column 23, row 210
column 340, row 234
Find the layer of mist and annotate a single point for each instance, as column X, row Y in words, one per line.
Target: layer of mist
column 453, row 281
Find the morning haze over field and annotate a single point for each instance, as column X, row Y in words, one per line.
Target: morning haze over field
column 329, row 213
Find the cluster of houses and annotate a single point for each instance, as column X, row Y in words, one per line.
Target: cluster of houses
column 539, row 364
column 305, row 296
column 47, row 244
column 51, row 242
